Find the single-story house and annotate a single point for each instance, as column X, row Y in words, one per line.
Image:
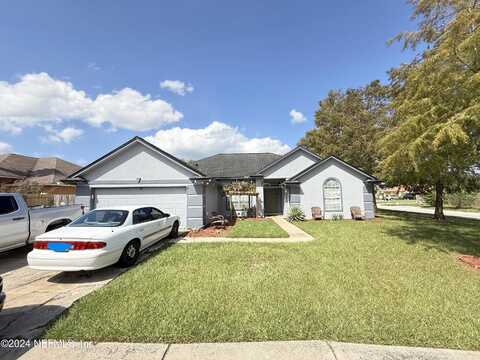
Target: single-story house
column 138, row 172
column 40, row 180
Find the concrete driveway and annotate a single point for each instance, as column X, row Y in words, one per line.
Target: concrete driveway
column 421, row 210
column 35, row 298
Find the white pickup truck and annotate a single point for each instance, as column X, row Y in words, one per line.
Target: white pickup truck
column 19, row 224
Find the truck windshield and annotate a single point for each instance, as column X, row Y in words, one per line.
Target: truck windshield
column 101, row 218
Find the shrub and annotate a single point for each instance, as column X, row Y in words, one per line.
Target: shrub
column 336, row 217
column 460, row 199
column 295, row 214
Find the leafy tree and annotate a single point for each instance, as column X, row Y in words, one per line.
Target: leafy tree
column 436, row 100
column 349, row 123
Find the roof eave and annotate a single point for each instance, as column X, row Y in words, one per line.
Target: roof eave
column 128, row 143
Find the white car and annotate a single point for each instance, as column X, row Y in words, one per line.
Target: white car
column 101, row 238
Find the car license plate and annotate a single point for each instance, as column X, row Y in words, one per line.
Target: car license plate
column 59, row 246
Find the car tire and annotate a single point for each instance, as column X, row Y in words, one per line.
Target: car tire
column 130, row 254
column 174, row 231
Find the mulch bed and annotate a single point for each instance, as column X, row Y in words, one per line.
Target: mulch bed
column 473, row 261
column 210, row 231
column 215, row 231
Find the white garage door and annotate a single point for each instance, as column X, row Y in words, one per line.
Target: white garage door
column 172, row 200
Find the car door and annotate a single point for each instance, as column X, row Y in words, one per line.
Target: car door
column 164, row 226
column 143, row 220
column 14, row 229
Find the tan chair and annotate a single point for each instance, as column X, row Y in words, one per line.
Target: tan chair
column 317, row 213
column 356, row 213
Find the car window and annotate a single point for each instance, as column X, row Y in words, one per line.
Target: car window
column 157, row 214
column 8, row 204
column 101, row 218
column 142, row 215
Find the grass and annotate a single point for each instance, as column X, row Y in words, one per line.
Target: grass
column 253, row 228
column 393, row 280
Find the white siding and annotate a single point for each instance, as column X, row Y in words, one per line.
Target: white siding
column 137, row 161
column 311, row 188
column 82, row 196
column 290, row 166
column 172, row 200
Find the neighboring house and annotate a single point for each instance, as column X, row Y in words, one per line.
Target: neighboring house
column 38, row 179
column 32, row 170
column 138, row 172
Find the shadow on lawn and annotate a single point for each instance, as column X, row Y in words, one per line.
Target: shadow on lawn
column 452, row 235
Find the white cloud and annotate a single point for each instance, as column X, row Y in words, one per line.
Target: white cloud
column 129, row 109
column 66, row 135
column 5, row 148
column 93, row 66
column 177, row 87
column 38, row 99
column 297, row 117
column 216, row 138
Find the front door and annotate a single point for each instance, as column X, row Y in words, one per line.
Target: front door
column 273, row 200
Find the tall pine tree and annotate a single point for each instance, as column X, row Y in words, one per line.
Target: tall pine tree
column 437, row 100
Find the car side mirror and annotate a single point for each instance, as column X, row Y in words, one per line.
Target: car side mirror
column 166, row 215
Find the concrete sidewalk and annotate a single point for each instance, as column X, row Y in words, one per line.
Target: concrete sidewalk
column 295, row 234
column 275, row 350
column 421, row 210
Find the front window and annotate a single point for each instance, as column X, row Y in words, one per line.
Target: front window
column 332, row 195
column 101, row 218
column 7, row 205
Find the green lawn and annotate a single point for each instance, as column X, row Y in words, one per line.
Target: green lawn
column 265, row 228
column 394, row 280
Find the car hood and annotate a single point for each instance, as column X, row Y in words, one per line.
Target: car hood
column 73, row 232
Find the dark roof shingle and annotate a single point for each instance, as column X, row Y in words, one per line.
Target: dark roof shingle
column 234, row 165
column 48, row 170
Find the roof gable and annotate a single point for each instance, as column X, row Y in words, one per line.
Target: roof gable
column 131, row 142
column 302, row 173
column 294, row 154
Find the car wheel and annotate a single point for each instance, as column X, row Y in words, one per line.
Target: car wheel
column 174, row 231
column 130, row 254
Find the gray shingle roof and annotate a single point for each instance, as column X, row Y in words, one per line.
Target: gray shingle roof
column 47, row 170
column 234, row 165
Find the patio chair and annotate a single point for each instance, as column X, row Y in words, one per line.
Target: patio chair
column 356, row 213
column 217, row 220
column 317, row 213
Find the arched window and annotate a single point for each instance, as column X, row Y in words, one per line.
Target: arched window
column 332, row 195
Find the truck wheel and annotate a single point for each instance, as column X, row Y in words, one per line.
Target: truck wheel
column 130, row 254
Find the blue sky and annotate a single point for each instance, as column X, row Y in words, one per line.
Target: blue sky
column 78, row 78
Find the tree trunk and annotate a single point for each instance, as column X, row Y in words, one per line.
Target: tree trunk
column 374, row 200
column 439, row 202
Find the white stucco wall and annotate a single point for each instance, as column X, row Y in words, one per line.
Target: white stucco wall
column 138, row 161
column 290, row 166
column 311, row 188
column 156, row 171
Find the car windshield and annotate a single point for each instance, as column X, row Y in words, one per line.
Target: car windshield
column 101, row 218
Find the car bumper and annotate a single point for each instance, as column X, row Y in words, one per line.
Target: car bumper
column 72, row 260
column 2, row 300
